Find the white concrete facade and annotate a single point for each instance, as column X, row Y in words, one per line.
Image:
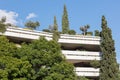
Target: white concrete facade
column 73, row 56
column 81, row 55
column 87, row 71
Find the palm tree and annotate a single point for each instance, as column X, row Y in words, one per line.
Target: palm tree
column 84, row 29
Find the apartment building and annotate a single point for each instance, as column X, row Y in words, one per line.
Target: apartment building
column 78, row 49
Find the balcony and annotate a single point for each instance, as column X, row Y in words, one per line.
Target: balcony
column 79, row 39
column 23, row 34
column 87, row 71
column 20, row 33
column 78, row 56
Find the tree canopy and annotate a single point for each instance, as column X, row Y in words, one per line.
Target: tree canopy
column 10, row 66
column 45, row 57
column 39, row 60
column 32, row 24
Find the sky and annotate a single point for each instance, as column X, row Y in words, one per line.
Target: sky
column 80, row 13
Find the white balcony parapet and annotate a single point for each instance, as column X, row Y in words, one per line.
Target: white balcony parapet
column 79, row 39
column 64, row 38
column 87, row 71
column 30, row 32
column 67, row 36
column 81, row 55
column 26, row 34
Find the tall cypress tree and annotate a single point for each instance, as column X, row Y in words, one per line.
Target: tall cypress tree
column 55, row 26
column 65, row 21
column 109, row 67
column 55, row 30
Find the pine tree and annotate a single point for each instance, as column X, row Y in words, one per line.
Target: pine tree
column 109, row 67
column 65, row 22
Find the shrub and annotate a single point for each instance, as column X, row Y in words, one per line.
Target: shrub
column 46, row 30
column 97, row 33
column 71, row 32
column 90, row 33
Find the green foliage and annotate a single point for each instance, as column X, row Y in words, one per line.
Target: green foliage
column 56, row 36
column 46, row 30
column 55, row 30
column 2, row 25
column 32, row 25
column 60, row 72
column 65, row 21
column 39, row 60
column 3, row 19
column 6, row 48
column 84, row 29
column 97, row 33
column 82, row 78
column 60, row 32
column 55, row 26
column 89, row 33
column 95, row 64
column 109, row 67
column 46, row 58
column 119, row 75
column 11, row 67
column 71, row 32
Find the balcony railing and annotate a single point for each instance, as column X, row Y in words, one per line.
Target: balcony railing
column 87, row 71
column 81, row 55
column 64, row 38
column 79, row 39
column 26, row 34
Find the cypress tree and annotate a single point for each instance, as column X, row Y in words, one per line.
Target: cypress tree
column 3, row 25
column 55, row 26
column 65, row 22
column 109, row 67
column 55, row 30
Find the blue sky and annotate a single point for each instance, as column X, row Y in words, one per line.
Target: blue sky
column 80, row 12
